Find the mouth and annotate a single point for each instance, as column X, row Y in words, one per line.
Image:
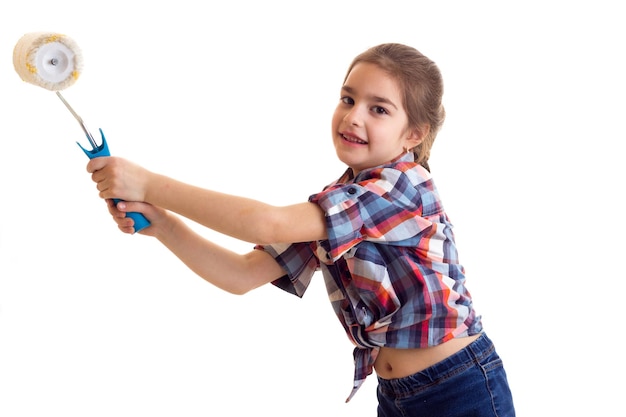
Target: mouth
column 353, row 139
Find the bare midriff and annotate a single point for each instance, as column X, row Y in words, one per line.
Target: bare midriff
column 399, row 363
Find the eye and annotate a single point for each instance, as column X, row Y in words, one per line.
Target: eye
column 379, row 110
column 347, row 100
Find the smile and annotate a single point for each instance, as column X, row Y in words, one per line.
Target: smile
column 353, row 139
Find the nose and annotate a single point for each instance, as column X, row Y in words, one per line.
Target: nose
column 353, row 117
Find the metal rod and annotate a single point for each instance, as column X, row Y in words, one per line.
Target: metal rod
column 80, row 121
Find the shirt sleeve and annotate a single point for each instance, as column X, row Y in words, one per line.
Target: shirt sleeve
column 386, row 207
column 298, row 260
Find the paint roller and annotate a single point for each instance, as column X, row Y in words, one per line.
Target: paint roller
column 53, row 61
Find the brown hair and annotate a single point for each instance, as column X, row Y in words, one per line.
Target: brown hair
column 422, row 86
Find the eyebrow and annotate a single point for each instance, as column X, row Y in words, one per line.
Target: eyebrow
column 377, row 99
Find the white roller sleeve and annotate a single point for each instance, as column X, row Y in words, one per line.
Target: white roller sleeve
column 49, row 60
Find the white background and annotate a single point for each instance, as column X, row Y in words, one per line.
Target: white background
column 238, row 97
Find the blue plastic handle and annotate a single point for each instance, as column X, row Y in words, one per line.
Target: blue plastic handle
column 103, row 150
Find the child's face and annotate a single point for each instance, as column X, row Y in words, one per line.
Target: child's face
column 370, row 125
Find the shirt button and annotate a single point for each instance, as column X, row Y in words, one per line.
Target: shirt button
column 351, row 190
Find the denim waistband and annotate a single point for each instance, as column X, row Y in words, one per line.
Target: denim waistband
column 454, row 364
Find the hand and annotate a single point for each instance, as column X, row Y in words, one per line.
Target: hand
column 118, row 178
column 158, row 217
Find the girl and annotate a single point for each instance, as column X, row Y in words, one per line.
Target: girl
column 379, row 234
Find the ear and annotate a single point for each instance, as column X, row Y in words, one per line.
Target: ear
column 416, row 136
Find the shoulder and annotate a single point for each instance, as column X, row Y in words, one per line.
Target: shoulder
column 400, row 175
column 396, row 181
column 413, row 171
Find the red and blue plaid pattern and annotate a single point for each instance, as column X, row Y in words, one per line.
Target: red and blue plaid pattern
column 390, row 263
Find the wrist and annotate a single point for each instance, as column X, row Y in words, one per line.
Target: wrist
column 149, row 193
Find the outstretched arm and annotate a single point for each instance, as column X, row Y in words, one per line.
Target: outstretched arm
column 230, row 271
column 242, row 218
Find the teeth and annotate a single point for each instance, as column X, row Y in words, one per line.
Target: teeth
column 353, row 140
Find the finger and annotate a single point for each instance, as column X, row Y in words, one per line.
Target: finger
column 124, row 223
column 126, row 228
column 134, row 206
column 96, row 164
column 113, row 210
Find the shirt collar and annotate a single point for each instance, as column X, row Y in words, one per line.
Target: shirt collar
column 348, row 176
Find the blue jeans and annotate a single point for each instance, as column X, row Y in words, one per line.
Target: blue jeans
column 470, row 383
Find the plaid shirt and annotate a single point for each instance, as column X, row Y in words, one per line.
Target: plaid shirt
column 390, row 263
